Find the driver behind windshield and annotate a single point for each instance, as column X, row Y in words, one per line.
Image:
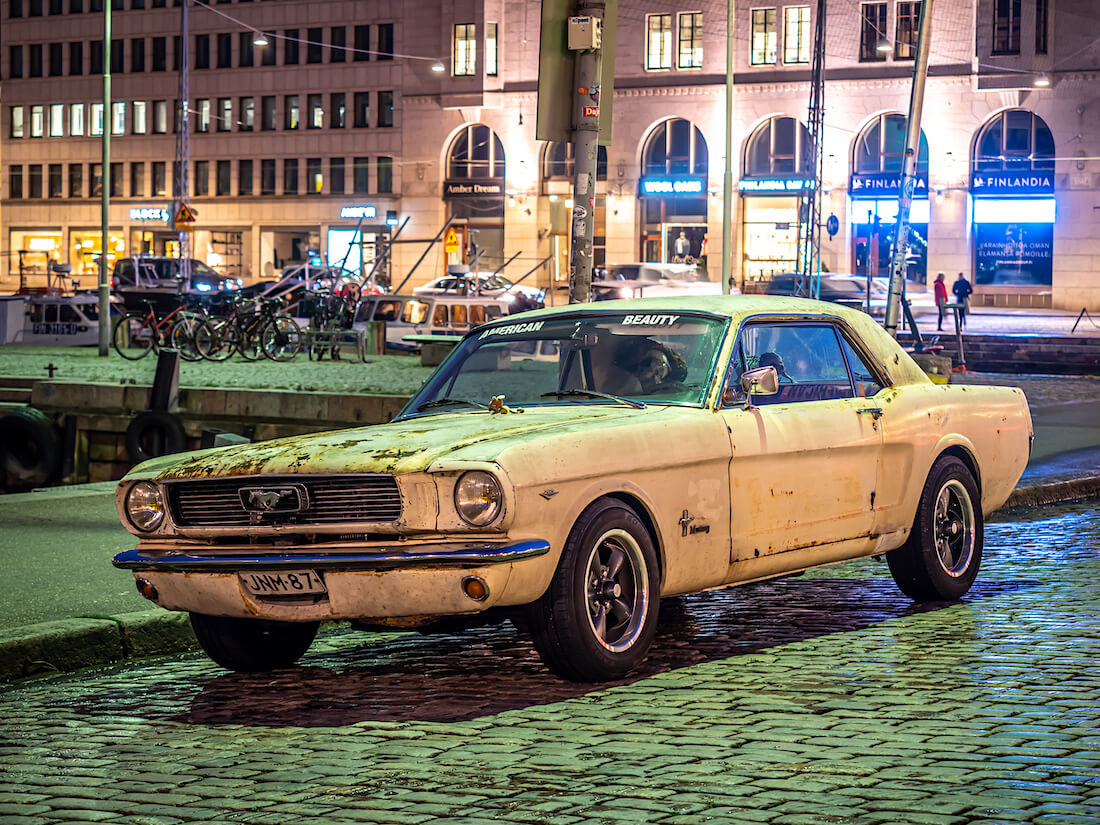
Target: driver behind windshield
column 651, row 365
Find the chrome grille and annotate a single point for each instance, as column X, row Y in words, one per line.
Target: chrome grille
column 331, row 500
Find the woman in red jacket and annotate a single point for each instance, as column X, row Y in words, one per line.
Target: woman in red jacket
column 940, row 287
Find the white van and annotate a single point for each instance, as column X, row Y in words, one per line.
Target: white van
column 406, row 315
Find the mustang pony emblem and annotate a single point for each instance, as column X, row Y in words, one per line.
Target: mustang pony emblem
column 290, row 499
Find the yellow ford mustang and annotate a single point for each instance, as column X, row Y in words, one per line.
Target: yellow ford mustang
column 569, row 467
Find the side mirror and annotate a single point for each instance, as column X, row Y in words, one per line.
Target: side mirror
column 762, row 381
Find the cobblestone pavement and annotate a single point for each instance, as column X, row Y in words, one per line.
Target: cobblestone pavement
column 826, row 698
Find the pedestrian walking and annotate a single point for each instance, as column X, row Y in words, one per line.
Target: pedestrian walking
column 940, row 290
column 962, row 290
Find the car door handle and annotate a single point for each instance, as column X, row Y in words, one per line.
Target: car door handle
column 874, row 412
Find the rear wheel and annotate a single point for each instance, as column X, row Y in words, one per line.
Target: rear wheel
column 597, row 619
column 132, row 337
column 214, row 339
column 252, row 645
column 941, row 557
column 182, row 336
column 281, row 338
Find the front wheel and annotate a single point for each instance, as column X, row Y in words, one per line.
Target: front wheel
column 941, row 557
column 597, row 619
column 252, row 645
column 281, row 338
column 133, row 337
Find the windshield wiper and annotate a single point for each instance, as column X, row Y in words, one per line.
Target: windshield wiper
column 593, row 394
column 450, row 402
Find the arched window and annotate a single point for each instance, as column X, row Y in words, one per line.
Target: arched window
column 557, row 162
column 881, row 144
column 476, row 152
column 1015, row 140
column 675, row 147
column 779, row 147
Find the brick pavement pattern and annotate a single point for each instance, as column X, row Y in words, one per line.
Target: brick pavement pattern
column 826, row 698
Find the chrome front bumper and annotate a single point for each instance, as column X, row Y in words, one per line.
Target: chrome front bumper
column 472, row 554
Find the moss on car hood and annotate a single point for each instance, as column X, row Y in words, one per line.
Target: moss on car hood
column 406, row 446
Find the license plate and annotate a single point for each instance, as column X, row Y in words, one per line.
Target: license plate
column 283, row 583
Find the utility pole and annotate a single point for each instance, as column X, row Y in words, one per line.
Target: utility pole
column 586, row 39
column 727, row 176
column 909, row 170
column 105, row 193
column 183, row 145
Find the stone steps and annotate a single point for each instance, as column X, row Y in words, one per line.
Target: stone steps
column 1060, row 355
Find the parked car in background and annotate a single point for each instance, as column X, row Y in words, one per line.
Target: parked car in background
column 850, row 290
column 478, row 284
column 569, row 467
column 649, row 280
column 159, row 281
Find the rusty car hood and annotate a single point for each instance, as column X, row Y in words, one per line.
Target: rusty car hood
column 406, row 446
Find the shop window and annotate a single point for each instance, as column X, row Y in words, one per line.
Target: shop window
column 558, row 162
column 908, row 22
column 658, row 46
column 267, row 176
column 872, row 32
column 337, row 110
column 385, row 109
column 691, row 40
column 492, row 54
column 360, row 168
column 764, row 38
column 222, row 177
column 76, row 58
column 244, row 177
column 880, row 147
column 362, row 43
column 476, row 152
column 385, row 41
column 338, row 41
column 675, row 147
column 362, row 110
column 316, row 117
column 336, row 175
column 54, row 181
column 1014, row 140
column 315, row 179
column 291, row 113
column 1006, row 26
column 464, row 50
column 796, row 34
column 315, row 46
column 781, row 146
column 57, row 120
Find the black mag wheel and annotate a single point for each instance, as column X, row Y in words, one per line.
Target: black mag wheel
column 281, row 338
column 251, row 645
column 597, row 619
column 132, row 337
column 941, row 557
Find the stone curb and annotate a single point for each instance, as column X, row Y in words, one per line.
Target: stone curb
column 72, row 644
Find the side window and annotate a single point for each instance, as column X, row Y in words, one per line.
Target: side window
column 866, row 382
column 458, row 315
column 807, row 358
column 439, row 318
column 124, row 273
column 477, row 314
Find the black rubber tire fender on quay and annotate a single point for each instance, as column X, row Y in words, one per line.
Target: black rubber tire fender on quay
column 252, row 645
column 941, row 557
column 597, row 619
column 30, row 447
column 154, row 433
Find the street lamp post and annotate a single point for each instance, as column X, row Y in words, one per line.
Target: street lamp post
column 105, row 192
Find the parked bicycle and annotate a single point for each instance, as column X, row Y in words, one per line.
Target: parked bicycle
column 136, row 334
column 254, row 327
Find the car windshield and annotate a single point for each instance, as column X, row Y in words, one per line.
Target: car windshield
column 607, row 358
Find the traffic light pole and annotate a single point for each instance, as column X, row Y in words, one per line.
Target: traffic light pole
column 909, row 170
column 586, row 130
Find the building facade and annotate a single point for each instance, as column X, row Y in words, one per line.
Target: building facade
column 343, row 122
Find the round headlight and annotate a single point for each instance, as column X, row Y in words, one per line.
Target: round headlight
column 145, row 506
column 478, row 498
